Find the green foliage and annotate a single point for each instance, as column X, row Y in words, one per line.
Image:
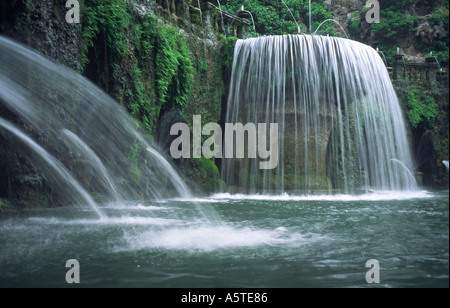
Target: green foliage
column 140, row 106
column 160, row 56
column 210, row 175
column 396, row 24
column 393, row 24
column 104, row 34
column 355, row 27
column 440, row 18
column 228, row 51
column 202, row 66
column 171, row 72
column 174, row 70
column 389, row 50
column 4, row 205
column 134, row 156
column 422, row 109
column 274, row 18
column 17, row 12
column 140, row 96
column 396, row 5
column 144, row 36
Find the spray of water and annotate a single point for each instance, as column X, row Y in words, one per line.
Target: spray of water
column 56, row 167
column 79, row 136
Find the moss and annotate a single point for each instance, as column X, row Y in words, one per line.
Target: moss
column 4, row 205
column 228, row 51
column 174, row 71
column 104, row 37
column 211, row 177
column 161, row 71
column 134, row 156
column 355, row 26
column 211, row 170
column 421, row 109
column 202, row 175
column 21, row 11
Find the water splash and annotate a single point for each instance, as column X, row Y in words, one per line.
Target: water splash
column 81, row 131
column 292, row 15
column 327, row 20
column 339, row 118
column 95, row 162
column 408, row 172
column 58, row 169
column 445, row 163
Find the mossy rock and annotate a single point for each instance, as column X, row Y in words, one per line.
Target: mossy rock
column 202, row 175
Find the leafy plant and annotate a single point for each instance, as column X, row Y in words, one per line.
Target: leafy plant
column 355, row 27
column 422, row 110
column 274, row 18
column 104, row 35
column 393, row 24
column 174, row 70
column 228, row 51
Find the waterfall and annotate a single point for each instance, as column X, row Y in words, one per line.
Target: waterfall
column 340, row 122
column 57, row 169
column 88, row 140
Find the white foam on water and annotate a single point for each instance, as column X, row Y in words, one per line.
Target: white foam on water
column 374, row 196
column 137, row 207
column 212, row 238
column 124, row 220
column 198, row 200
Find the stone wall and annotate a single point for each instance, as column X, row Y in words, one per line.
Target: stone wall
column 429, row 137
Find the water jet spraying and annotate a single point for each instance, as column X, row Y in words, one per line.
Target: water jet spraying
column 83, row 134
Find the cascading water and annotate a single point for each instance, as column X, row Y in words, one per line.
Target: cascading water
column 81, row 132
column 57, row 169
column 340, row 123
column 87, row 146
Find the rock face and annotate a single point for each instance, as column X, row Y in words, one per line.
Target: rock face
column 345, row 12
column 426, row 33
column 352, row 14
column 128, row 72
column 42, row 25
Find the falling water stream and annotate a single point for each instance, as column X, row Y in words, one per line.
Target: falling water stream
column 77, row 122
column 129, row 219
column 340, row 122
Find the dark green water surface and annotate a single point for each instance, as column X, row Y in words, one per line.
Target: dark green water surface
column 233, row 241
